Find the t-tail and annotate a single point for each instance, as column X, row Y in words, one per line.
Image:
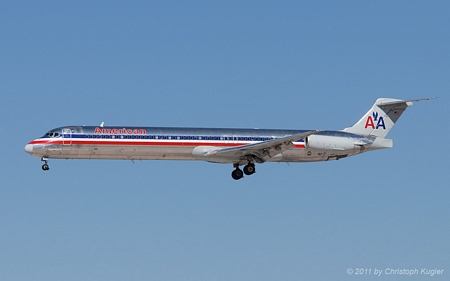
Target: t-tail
column 380, row 119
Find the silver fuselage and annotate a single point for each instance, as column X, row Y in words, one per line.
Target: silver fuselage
column 153, row 143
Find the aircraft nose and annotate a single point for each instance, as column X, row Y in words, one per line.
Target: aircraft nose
column 29, row 148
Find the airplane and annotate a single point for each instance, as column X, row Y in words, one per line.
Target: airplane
column 239, row 147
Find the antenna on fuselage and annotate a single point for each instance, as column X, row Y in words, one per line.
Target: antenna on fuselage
column 101, row 125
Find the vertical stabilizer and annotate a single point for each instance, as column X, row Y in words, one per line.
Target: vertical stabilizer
column 380, row 119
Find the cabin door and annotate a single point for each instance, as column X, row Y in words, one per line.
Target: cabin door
column 67, row 138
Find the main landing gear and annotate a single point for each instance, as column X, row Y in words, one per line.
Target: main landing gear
column 237, row 174
column 45, row 167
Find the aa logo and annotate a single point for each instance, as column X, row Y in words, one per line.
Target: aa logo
column 371, row 120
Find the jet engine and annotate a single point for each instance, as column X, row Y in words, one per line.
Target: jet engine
column 330, row 143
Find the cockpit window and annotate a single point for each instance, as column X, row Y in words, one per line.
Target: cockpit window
column 52, row 134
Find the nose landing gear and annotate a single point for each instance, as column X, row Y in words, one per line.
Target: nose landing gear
column 45, row 167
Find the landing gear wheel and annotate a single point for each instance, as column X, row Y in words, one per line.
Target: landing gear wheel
column 249, row 169
column 237, row 174
column 45, row 167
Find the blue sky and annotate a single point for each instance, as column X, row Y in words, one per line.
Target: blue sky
column 242, row 64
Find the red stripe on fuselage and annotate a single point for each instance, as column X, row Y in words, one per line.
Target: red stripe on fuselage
column 69, row 142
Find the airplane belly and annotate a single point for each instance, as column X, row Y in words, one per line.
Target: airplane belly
column 56, row 151
column 314, row 155
column 303, row 155
column 130, row 152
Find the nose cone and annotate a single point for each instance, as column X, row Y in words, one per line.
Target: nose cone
column 29, row 148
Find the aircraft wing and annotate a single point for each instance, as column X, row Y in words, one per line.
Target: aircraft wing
column 261, row 151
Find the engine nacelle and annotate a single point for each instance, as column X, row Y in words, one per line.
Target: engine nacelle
column 330, row 143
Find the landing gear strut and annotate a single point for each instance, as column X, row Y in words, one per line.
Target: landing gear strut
column 45, row 167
